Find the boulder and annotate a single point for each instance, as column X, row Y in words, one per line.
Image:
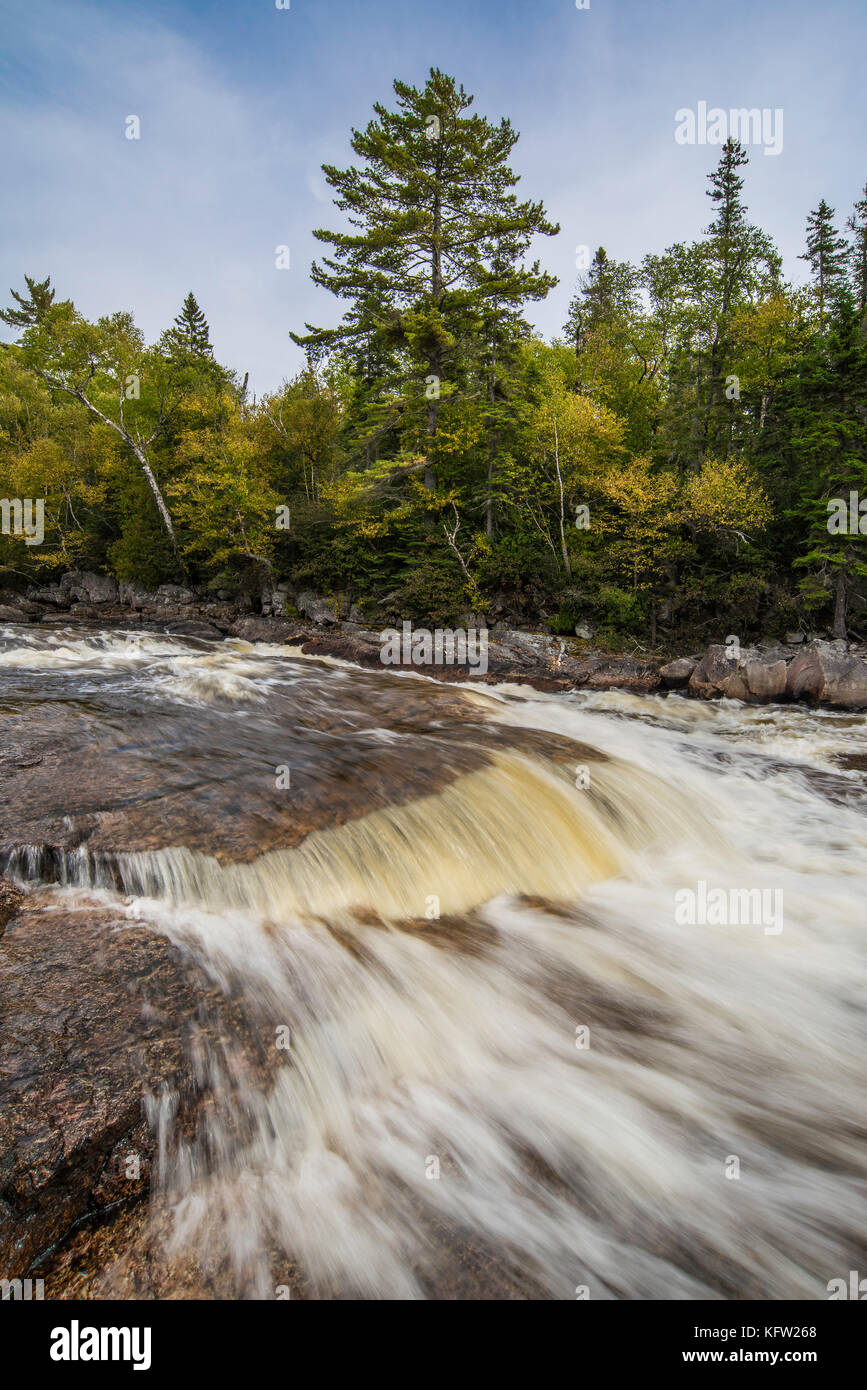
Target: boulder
column 89, row 588
column 322, row 611
column 677, row 673
column 584, row 631
column 766, row 681
column 134, row 596
column 174, row 594
column 8, row 614
column 827, row 672
column 718, row 674
column 194, row 627
column 51, row 593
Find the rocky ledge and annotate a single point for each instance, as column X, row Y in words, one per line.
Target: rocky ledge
column 98, row 1026
column 817, row 671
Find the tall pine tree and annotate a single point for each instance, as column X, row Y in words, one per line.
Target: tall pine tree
column 437, row 236
column 190, row 336
column 827, row 254
column 857, row 224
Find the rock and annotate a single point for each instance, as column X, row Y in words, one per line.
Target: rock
column 322, row 611
column 263, row 629
column 95, row 1015
column 717, row 674
column 134, row 596
column 804, row 677
column 174, row 594
column 12, row 615
column 584, row 631
column 766, row 681
column 195, row 627
column 52, row 593
column 88, row 588
column 794, row 639
column 677, row 673
column 826, row 672
column 11, row 899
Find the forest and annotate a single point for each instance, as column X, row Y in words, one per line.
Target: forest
column 686, row 459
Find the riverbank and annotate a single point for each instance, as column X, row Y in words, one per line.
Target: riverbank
column 817, row 672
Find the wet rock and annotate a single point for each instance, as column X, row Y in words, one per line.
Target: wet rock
column 195, row 627
column 261, row 629
column 11, row 899
column 676, row 674
column 95, row 1015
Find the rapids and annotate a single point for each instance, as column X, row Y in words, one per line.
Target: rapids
column 506, row 1065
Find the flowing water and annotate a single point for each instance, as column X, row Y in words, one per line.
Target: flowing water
column 503, row 1060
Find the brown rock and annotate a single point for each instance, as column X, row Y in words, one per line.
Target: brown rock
column 677, row 673
column 94, row 1015
column 766, row 681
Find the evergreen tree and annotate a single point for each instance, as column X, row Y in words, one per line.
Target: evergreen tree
column 822, row 444
column 606, row 293
column 431, row 207
column 826, row 253
column 32, row 308
column 190, row 336
column 857, row 224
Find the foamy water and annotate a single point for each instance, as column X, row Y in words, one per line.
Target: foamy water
column 556, row 1078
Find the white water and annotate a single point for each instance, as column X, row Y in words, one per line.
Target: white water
column 455, row 1041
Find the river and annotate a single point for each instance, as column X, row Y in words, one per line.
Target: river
column 506, row 1055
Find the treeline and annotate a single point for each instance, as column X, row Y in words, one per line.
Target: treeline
column 662, row 470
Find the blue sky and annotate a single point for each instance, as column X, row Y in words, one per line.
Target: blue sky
column 240, row 103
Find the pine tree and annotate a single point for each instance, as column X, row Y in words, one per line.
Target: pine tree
column 605, row 293
column 190, row 336
column 826, row 253
column 821, row 444
column 431, row 208
column 857, row 223
column 32, row 309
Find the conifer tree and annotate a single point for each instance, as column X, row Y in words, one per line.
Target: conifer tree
column 857, row 224
column 431, row 208
column 190, row 335
column 32, row 309
column 605, row 293
column 827, row 255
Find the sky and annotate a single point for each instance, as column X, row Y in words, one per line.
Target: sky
column 239, row 104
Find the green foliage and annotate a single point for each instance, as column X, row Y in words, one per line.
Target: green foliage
column 665, row 471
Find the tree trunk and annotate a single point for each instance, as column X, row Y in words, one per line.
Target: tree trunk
column 433, row 410
column 157, row 495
